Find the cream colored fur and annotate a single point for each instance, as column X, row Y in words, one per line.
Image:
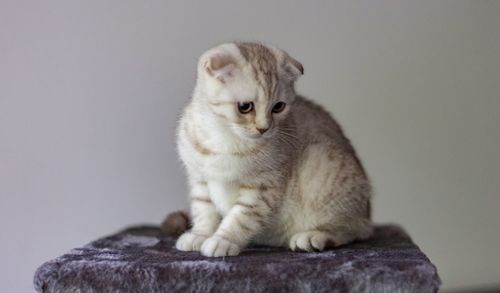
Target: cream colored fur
column 297, row 185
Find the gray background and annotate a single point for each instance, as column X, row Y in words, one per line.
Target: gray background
column 90, row 92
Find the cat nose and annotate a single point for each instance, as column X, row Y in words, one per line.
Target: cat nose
column 262, row 130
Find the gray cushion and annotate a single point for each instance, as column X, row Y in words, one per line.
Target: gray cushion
column 142, row 259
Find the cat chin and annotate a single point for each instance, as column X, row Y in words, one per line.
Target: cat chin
column 245, row 135
column 251, row 137
column 254, row 137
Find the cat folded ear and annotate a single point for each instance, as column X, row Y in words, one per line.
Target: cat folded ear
column 220, row 66
column 220, row 62
column 293, row 67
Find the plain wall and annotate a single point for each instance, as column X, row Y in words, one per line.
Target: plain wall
column 90, row 92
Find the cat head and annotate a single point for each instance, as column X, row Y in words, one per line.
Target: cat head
column 249, row 87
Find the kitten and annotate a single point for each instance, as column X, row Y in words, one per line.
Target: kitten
column 264, row 165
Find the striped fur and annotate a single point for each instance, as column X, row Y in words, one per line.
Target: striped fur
column 299, row 184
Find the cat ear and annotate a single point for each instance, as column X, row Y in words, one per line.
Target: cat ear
column 219, row 63
column 220, row 66
column 293, row 67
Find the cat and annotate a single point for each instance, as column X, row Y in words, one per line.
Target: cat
column 265, row 165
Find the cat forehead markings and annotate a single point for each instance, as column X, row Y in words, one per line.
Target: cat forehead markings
column 264, row 65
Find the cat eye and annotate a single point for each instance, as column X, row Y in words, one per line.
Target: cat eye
column 245, row 107
column 278, row 107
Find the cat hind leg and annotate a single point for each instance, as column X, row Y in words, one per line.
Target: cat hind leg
column 313, row 240
column 319, row 240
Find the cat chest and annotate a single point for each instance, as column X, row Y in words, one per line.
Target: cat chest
column 224, row 167
column 221, row 167
column 223, row 195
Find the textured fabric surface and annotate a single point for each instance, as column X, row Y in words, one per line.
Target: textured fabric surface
column 141, row 259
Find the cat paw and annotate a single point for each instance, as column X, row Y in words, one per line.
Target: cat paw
column 216, row 246
column 190, row 242
column 310, row 241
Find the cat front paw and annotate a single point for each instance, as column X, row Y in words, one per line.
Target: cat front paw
column 216, row 246
column 190, row 242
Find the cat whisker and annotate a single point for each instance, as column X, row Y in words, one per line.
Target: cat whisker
column 289, row 135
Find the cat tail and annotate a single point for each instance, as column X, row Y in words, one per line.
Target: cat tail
column 176, row 223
